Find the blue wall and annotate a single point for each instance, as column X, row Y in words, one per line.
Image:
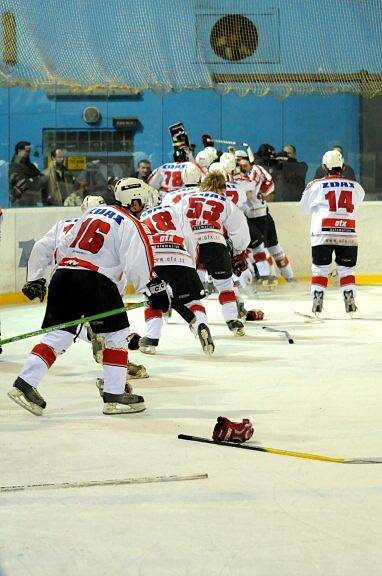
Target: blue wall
column 312, row 123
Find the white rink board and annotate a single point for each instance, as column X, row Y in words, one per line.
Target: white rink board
column 26, row 225
column 257, row 513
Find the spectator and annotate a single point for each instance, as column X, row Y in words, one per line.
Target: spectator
column 290, row 175
column 25, row 180
column 59, row 181
column 143, row 170
column 347, row 171
column 80, row 190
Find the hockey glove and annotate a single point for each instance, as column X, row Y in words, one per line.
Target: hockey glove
column 254, row 315
column 158, row 297
column 35, row 289
column 227, row 431
column 132, row 341
column 239, row 263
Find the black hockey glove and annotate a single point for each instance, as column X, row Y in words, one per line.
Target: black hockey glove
column 158, row 298
column 239, row 263
column 35, row 289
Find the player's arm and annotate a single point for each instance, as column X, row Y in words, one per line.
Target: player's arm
column 237, row 227
column 42, row 255
column 156, row 179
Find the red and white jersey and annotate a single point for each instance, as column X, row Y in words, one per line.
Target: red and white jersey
column 110, row 241
column 256, row 185
column 333, row 202
column 236, row 192
column 43, row 251
column 168, row 177
column 171, row 235
column 212, row 215
column 173, row 197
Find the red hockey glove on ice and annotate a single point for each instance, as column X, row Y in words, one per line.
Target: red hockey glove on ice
column 228, row 431
column 239, row 263
column 132, row 341
column 254, row 315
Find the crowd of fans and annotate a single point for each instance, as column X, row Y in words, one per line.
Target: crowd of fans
column 57, row 186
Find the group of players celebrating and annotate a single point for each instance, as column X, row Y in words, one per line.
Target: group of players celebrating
column 195, row 217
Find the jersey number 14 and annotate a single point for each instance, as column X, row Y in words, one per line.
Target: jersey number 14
column 345, row 200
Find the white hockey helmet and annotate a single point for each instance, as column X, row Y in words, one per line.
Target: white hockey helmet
column 207, row 156
column 217, row 167
column 241, row 154
column 333, row 159
column 92, row 202
column 191, row 174
column 128, row 189
column 228, row 161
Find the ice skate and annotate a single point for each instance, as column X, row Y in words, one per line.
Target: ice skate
column 318, row 302
column 236, row 327
column 350, row 305
column 122, row 403
column 241, row 311
column 27, row 396
column 206, row 339
column 136, row 371
column 267, row 282
column 148, row 345
column 100, row 382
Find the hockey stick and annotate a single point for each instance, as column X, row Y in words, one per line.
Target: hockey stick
column 120, row 482
column 71, row 323
column 280, row 452
column 229, row 142
column 287, row 335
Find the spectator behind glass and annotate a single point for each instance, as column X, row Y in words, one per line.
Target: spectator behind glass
column 25, row 180
column 80, row 190
column 143, row 170
column 59, row 181
column 290, row 176
column 347, row 171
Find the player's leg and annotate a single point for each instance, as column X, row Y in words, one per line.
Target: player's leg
column 321, row 263
column 346, row 259
column 277, row 251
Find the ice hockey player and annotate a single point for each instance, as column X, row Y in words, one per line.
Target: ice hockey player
column 333, row 202
column 212, row 215
column 104, row 244
column 43, row 255
column 168, row 177
column 261, row 224
column 174, row 248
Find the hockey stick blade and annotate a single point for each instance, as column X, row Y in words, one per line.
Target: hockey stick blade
column 90, row 483
column 280, row 452
column 285, row 332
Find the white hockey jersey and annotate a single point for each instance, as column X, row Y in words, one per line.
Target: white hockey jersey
column 256, row 185
column 171, row 235
column 333, row 202
column 168, row 177
column 212, row 215
column 110, row 241
column 43, row 251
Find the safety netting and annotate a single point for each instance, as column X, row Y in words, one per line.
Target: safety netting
column 264, row 47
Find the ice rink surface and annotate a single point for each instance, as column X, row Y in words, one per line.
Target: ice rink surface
column 257, row 513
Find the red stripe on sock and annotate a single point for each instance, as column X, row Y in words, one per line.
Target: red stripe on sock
column 283, row 262
column 260, row 257
column 226, row 297
column 346, row 280
column 45, row 352
column 150, row 314
column 320, row 281
column 115, row 357
column 197, row 308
